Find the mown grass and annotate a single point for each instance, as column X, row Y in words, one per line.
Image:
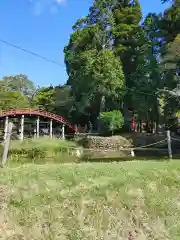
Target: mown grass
column 129, row 201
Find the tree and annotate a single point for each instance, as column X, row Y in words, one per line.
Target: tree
column 126, row 34
column 15, row 92
column 148, row 78
column 55, row 99
column 170, row 57
column 12, row 99
column 19, row 83
column 95, row 73
column 45, row 99
column 171, row 21
column 64, row 103
column 111, row 121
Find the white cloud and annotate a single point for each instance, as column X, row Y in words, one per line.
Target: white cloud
column 53, row 9
column 60, row 1
column 39, row 6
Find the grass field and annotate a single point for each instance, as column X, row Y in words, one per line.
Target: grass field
column 42, row 150
column 42, row 142
column 129, row 201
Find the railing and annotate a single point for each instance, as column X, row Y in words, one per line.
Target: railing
column 38, row 112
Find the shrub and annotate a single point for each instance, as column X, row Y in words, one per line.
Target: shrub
column 36, row 153
column 111, row 121
column 42, row 150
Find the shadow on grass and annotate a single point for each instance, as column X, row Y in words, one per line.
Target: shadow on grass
column 125, row 159
column 62, row 159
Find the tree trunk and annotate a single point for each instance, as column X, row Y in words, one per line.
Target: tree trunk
column 101, row 109
column 157, row 115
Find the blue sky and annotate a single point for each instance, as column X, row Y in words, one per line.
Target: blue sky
column 44, row 27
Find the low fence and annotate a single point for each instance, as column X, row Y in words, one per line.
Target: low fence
column 96, row 154
column 149, row 150
column 159, row 149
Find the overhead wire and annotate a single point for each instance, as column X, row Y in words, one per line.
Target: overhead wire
column 30, row 52
column 148, row 94
column 57, row 63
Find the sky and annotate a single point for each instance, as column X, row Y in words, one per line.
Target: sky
column 43, row 27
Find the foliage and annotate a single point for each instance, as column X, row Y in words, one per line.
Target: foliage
column 147, row 78
column 45, row 99
column 57, row 99
column 114, row 27
column 15, row 92
column 19, row 83
column 94, row 70
column 114, row 60
column 12, row 99
column 42, row 150
column 36, row 153
column 64, row 102
column 111, row 121
column 126, row 33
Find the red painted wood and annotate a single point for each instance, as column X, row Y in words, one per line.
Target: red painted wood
column 36, row 112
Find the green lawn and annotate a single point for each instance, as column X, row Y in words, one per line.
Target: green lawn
column 129, row 201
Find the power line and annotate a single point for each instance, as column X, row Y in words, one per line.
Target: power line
column 30, row 52
column 140, row 92
column 57, row 63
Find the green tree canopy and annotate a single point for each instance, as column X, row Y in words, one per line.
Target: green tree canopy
column 111, row 121
column 19, row 83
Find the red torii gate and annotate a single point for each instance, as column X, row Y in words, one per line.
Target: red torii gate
column 37, row 112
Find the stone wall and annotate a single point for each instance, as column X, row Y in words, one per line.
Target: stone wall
column 113, row 143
